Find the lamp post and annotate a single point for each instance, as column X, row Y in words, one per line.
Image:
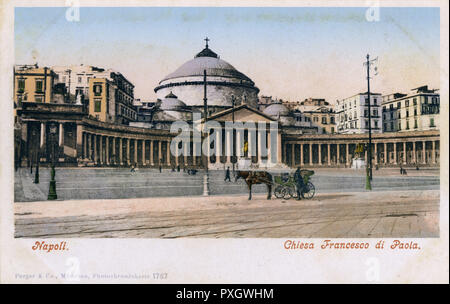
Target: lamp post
column 369, row 148
column 52, row 187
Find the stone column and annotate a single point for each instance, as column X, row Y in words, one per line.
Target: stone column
column 107, row 149
column 328, row 154
column 404, row 153
column 152, row 159
column 279, row 148
column 185, row 153
column 310, row 153
column 414, row 152
column 238, row 144
column 347, row 155
column 301, row 155
column 159, row 151
column 260, row 146
column 386, row 156
column 228, row 146
column 94, row 139
column 433, row 151
column 218, row 146
column 168, row 151
column 376, row 153
column 79, row 139
column 135, row 157
column 395, row 153
column 100, row 148
column 424, row 152
column 250, row 144
column 338, row 155
column 128, row 151
column 143, row 153
column 319, row 146
column 61, row 134
column 120, row 151
column 293, row 155
column 114, row 153
column 43, row 129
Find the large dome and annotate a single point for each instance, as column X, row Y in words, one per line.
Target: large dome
column 277, row 109
column 224, row 83
column 172, row 103
column 213, row 67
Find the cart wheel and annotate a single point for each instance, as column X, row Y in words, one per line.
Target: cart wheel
column 309, row 192
column 287, row 193
column 278, row 192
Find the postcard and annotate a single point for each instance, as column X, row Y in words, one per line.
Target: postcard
column 224, row 142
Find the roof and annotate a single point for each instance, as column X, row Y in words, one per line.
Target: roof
column 209, row 61
column 238, row 108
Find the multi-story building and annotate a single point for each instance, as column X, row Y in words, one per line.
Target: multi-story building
column 76, row 79
column 352, row 114
column 319, row 113
column 110, row 100
column 33, row 84
column 418, row 111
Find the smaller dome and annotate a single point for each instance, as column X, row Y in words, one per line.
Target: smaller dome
column 172, row 103
column 277, row 109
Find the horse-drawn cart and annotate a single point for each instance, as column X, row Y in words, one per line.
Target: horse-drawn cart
column 286, row 186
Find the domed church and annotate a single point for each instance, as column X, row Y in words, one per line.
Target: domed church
column 224, row 83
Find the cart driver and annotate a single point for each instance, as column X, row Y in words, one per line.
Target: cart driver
column 300, row 183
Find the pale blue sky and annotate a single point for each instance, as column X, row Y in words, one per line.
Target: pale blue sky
column 290, row 53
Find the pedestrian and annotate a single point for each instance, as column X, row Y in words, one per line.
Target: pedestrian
column 417, row 168
column 132, row 168
column 160, row 165
column 178, row 168
column 227, row 175
column 401, row 170
column 300, row 183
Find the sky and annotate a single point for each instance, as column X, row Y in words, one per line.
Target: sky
column 290, row 53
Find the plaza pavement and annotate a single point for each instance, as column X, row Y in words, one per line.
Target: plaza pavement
column 352, row 214
column 120, row 183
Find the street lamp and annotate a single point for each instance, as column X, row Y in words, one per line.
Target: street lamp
column 52, row 187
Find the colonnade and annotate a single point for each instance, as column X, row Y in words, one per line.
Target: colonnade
column 408, row 152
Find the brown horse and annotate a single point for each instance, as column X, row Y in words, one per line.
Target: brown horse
column 256, row 177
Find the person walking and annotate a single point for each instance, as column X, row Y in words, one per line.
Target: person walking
column 160, row 165
column 300, row 183
column 227, row 175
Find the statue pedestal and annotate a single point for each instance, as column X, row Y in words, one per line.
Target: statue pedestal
column 358, row 163
column 244, row 163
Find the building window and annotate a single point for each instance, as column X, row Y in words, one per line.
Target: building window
column 407, row 113
column 79, row 79
column 21, row 85
column 392, row 126
column 97, row 105
column 391, row 107
column 399, row 126
column 415, row 101
column 324, row 120
column 366, row 113
column 332, row 120
column 332, row 129
column 384, row 108
column 97, row 89
column 38, row 98
column 406, row 103
column 375, row 113
column 376, row 123
column 392, row 115
column 39, row 85
column 432, row 122
column 407, row 125
column 399, row 105
column 415, row 111
column 415, row 124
